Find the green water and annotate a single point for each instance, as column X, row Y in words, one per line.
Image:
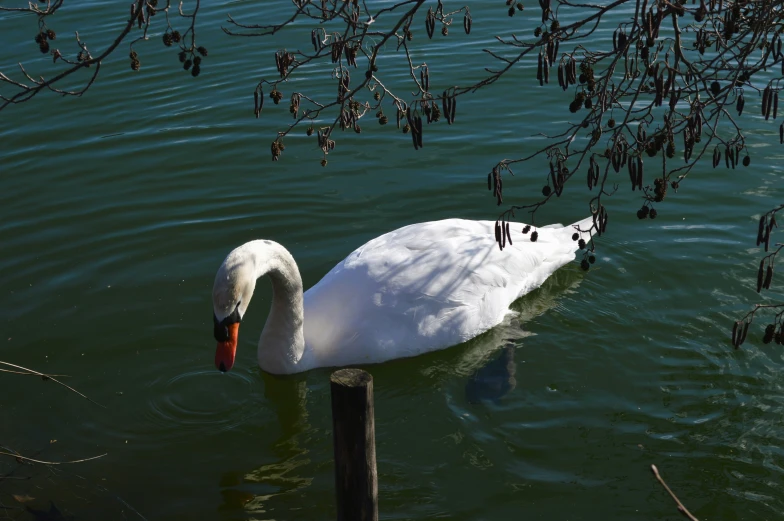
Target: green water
column 118, row 207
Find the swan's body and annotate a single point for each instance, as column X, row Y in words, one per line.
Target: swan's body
column 420, row 288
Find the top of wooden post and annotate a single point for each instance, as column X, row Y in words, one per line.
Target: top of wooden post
column 351, row 377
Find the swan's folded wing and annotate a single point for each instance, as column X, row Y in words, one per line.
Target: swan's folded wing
column 425, row 287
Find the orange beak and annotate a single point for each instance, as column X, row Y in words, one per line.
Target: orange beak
column 224, row 354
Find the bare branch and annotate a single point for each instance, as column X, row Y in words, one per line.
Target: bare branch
column 50, row 377
column 681, row 508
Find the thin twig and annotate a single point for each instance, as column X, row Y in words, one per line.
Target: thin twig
column 30, row 374
column 50, row 462
column 683, row 510
column 31, row 371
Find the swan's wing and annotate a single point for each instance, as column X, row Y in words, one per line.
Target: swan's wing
column 423, row 287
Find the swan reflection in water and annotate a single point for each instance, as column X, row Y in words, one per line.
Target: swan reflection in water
column 495, row 380
column 252, row 490
column 492, row 380
column 486, row 364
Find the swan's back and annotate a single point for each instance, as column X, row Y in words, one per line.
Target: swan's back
column 425, row 287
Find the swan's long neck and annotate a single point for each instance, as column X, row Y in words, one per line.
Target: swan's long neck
column 282, row 341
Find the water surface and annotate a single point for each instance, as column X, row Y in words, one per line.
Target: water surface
column 119, row 206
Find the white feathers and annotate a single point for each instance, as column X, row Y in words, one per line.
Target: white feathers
column 420, row 288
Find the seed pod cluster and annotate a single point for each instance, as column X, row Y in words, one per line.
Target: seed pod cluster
column 450, row 104
column 324, row 142
column 739, row 331
column 502, row 234
column 275, row 95
column 770, row 102
column 430, row 23
column 731, row 156
column 543, row 69
column 277, row 149
column 587, row 77
column 636, row 172
column 258, row 101
column 558, row 173
column 431, row 110
column 140, row 20
column 135, row 63
column 496, row 184
column 593, row 173
column 765, row 273
column 657, row 141
column 283, row 60
column 579, row 99
column 675, row 95
column 689, row 139
column 467, row 22
column 702, row 40
column 196, row 66
column 775, row 47
column 350, row 52
column 651, row 23
column 619, row 154
column 740, row 103
column 344, row 82
column 336, row 50
column 424, row 78
column 42, row 39
column 567, row 72
column 315, row 39
column 659, row 189
column 663, row 85
column 546, row 11
column 619, row 40
column 348, row 118
column 552, row 50
column 771, row 334
column 353, row 18
column 766, row 225
column 600, row 219
column 415, row 124
column 294, row 104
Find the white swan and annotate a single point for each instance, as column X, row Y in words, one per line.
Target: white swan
column 420, row 288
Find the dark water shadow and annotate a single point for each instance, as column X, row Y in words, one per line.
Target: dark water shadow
column 495, row 379
column 248, row 491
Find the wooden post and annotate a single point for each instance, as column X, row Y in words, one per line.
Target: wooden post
column 356, row 480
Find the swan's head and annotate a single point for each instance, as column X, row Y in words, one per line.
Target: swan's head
column 231, row 293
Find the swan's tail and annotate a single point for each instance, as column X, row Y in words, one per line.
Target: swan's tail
column 581, row 228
